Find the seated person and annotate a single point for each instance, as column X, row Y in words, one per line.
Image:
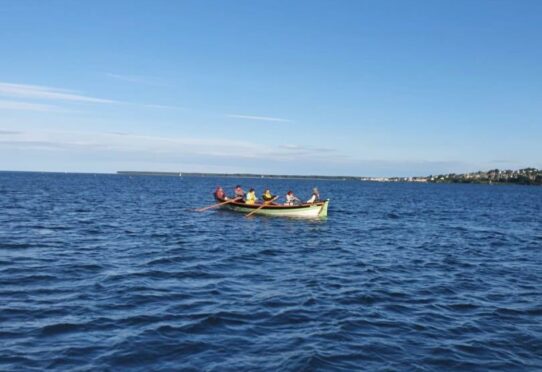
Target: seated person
column 291, row 199
column 250, row 197
column 220, row 194
column 315, row 197
column 239, row 193
column 268, row 197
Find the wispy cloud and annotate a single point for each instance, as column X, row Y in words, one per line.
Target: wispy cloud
column 299, row 150
column 179, row 146
column 129, row 142
column 119, row 150
column 26, row 106
column 258, row 118
column 136, row 79
column 502, row 161
column 46, row 93
column 164, row 107
column 291, row 147
column 57, row 95
column 8, row 132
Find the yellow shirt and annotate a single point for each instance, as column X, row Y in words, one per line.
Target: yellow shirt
column 251, row 197
column 267, row 197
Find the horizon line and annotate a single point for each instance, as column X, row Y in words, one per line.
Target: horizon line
column 245, row 175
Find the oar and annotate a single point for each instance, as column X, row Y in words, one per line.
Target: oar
column 217, row 205
column 261, row 206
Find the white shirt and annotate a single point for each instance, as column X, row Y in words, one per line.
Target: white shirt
column 290, row 199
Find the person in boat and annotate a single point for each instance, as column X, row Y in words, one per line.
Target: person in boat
column 315, row 197
column 239, row 193
column 291, row 199
column 250, row 197
column 268, row 197
column 220, row 194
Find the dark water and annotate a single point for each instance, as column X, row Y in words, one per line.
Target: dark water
column 112, row 272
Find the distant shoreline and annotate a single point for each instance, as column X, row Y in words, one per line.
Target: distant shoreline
column 275, row 176
column 526, row 176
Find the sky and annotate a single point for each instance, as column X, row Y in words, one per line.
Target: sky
column 360, row 88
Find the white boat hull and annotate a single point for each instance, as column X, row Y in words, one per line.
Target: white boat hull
column 315, row 210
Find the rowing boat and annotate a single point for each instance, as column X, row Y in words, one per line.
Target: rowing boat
column 312, row 210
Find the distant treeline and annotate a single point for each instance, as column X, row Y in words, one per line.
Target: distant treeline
column 526, row 176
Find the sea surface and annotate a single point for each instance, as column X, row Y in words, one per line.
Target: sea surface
column 108, row 272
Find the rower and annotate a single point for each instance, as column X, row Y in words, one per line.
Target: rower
column 239, row 193
column 315, row 197
column 220, row 194
column 251, row 197
column 291, row 199
column 268, row 197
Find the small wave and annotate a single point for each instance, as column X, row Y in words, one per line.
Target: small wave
column 59, row 328
column 319, row 361
column 364, row 299
column 270, row 252
column 215, row 321
column 462, row 307
column 17, row 245
column 30, row 279
column 289, row 317
column 534, row 311
column 165, row 261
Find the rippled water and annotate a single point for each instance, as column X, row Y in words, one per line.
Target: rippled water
column 115, row 272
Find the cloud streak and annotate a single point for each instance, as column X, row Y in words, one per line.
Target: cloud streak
column 32, row 93
column 306, row 148
column 288, row 151
column 47, row 93
column 124, row 143
column 258, row 118
column 127, row 142
column 164, row 107
column 9, row 132
column 142, row 151
column 26, row 106
column 135, row 79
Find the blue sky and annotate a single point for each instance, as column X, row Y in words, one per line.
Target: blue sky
column 369, row 88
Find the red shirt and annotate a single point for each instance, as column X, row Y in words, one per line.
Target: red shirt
column 219, row 193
